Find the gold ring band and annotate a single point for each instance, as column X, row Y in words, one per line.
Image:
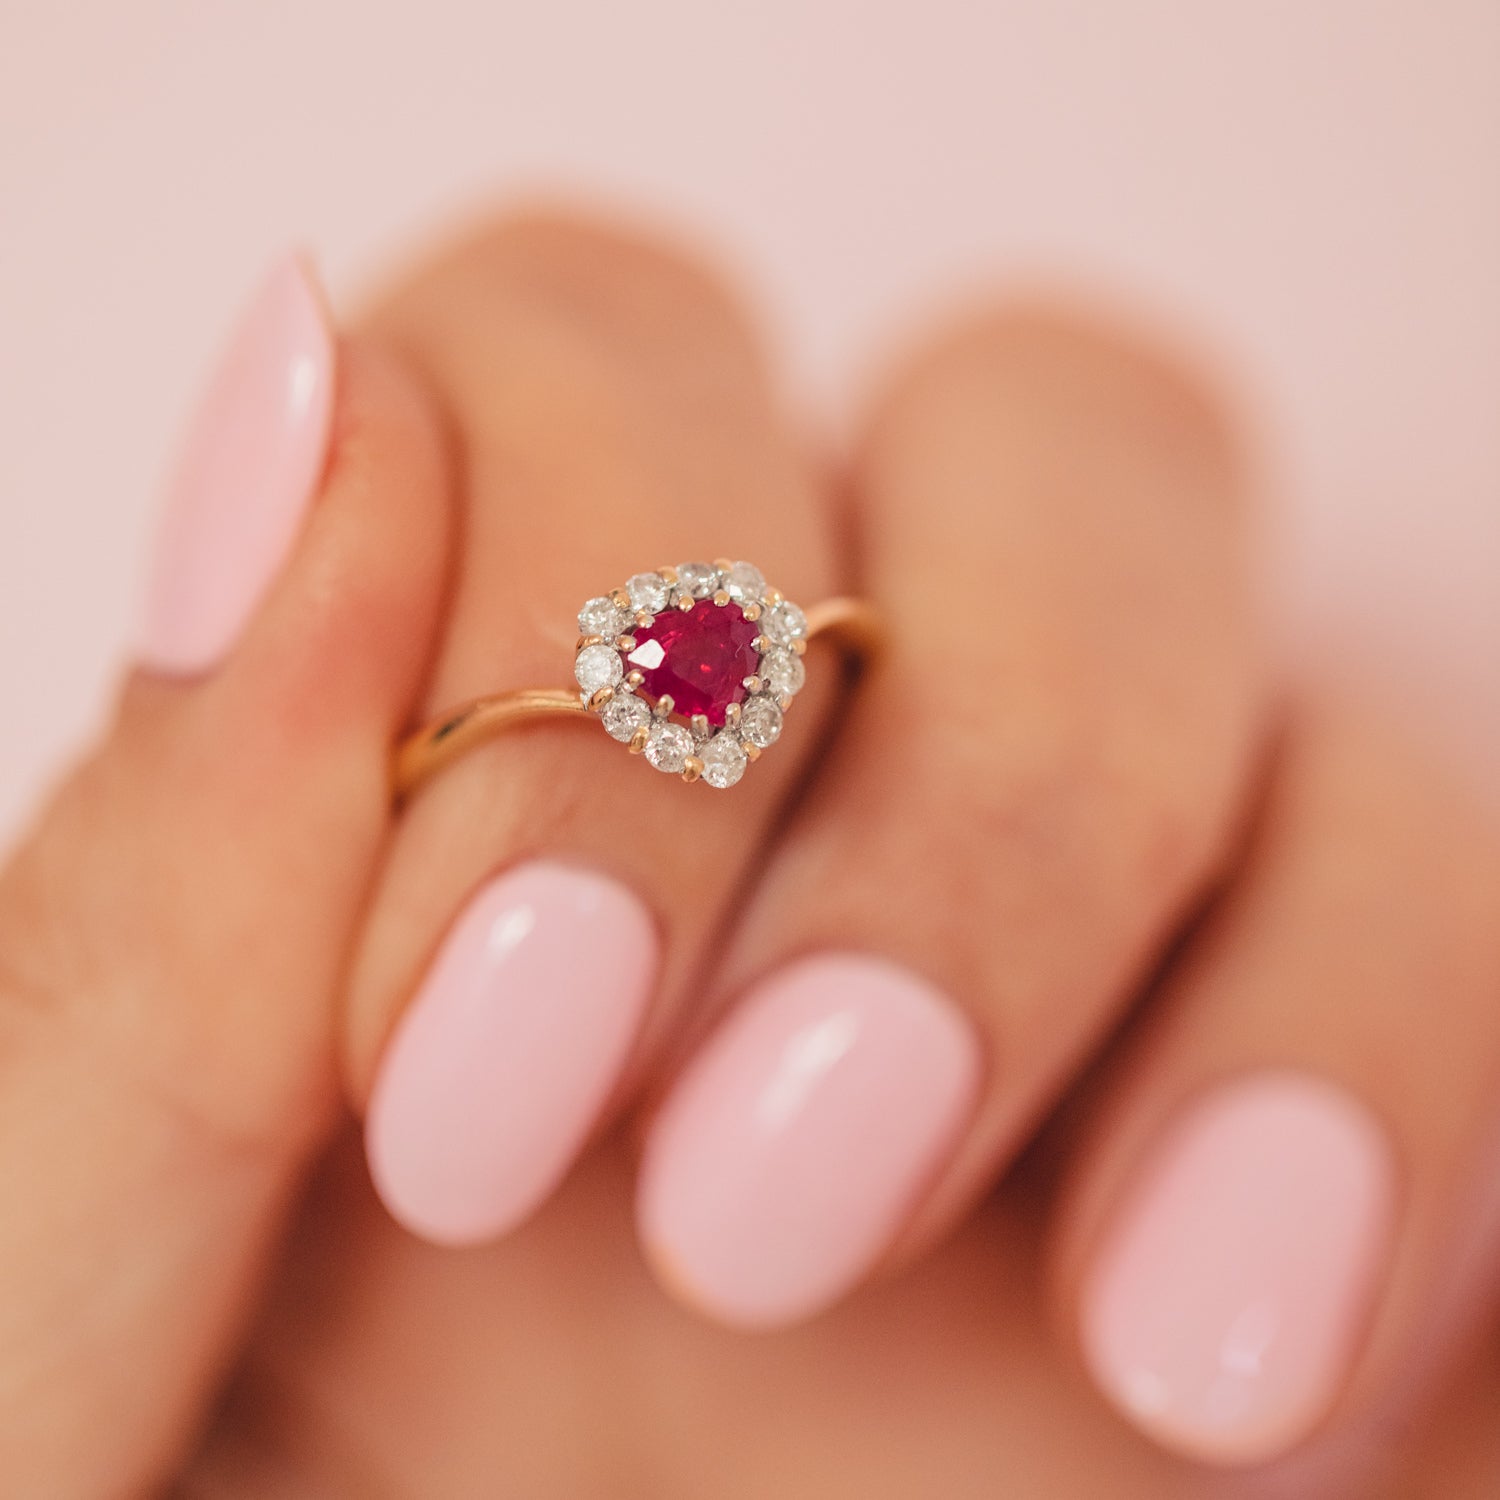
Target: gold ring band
column 851, row 624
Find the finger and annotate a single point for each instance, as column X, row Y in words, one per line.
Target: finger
column 173, row 931
column 1030, row 793
column 548, row 899
column 1273, row 1200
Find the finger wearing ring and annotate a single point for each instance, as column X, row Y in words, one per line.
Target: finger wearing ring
column 693, row 667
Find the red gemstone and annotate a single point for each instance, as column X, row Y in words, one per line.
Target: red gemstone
column 699, row 657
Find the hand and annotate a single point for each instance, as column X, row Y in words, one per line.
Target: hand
column 220, row 931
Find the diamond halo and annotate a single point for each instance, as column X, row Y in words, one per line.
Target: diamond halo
column 730, row 646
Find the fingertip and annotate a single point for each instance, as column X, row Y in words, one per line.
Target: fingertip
column 357, row 616
column 339, row 645
column 792, row 1151
column 493, row 1078
column 248, row 471
column 1224, row 1303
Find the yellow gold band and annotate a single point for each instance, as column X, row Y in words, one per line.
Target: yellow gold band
column 851, row 624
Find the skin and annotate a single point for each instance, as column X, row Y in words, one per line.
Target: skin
column 203, row 1294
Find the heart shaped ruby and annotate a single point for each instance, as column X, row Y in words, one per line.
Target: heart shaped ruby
column 698, row 657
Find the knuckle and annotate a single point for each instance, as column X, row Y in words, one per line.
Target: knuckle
column 611, row 270
column 1048, row 365
column 541, row 273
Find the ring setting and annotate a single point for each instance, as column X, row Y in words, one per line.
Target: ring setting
column 693, row 666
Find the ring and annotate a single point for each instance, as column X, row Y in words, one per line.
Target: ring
column 692, row 667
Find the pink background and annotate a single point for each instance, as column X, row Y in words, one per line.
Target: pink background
column 1310, row 186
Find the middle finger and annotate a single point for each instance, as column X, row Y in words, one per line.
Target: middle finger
column 1035, row 788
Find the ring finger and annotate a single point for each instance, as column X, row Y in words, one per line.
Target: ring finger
column 546, row 904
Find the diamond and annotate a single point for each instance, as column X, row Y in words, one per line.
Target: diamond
column 697, row 579
column 784, row 671
column 698, row 657
column 598, row 667
column 761, row 722
column 623, row 715
column 723, row 760
column 744, row 582
column 784, row 623
column 668, row 746
column 650, row 592
column 602, row 617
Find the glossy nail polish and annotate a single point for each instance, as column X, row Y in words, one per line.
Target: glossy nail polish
column 499, row 1068
column 248, row 471
column 1229, row 1295
column 785, row 1160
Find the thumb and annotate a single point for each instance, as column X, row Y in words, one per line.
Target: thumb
column 173, row 931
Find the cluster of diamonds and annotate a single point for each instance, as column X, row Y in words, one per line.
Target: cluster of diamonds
column 620, row 666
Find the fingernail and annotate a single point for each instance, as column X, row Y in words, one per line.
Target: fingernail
column 785, row 1160
column 1229, row 1297
column 515, row 1040
column 248, row 470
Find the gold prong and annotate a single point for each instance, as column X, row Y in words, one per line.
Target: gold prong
column 589, row 640
column 751, row 612
column 638, row 740
column 700, row 726
column 752, row 683
column 625, row 642
column 799, row 648
column 732, row 716
column 635, row 679
column 721, row 598
column 752, row 752
column 685, row 602
column 723, row 564
column 620, row 597
column 773, row 596
column 599, row 699
column 692, row 769
column 762, row 643
column 670, row 574
column 643, row 617
column 664, row 705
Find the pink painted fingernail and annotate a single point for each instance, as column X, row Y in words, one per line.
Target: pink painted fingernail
column 788, row 1155
column 248, row 471
column 1228, row 1299
column 515, row 1040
